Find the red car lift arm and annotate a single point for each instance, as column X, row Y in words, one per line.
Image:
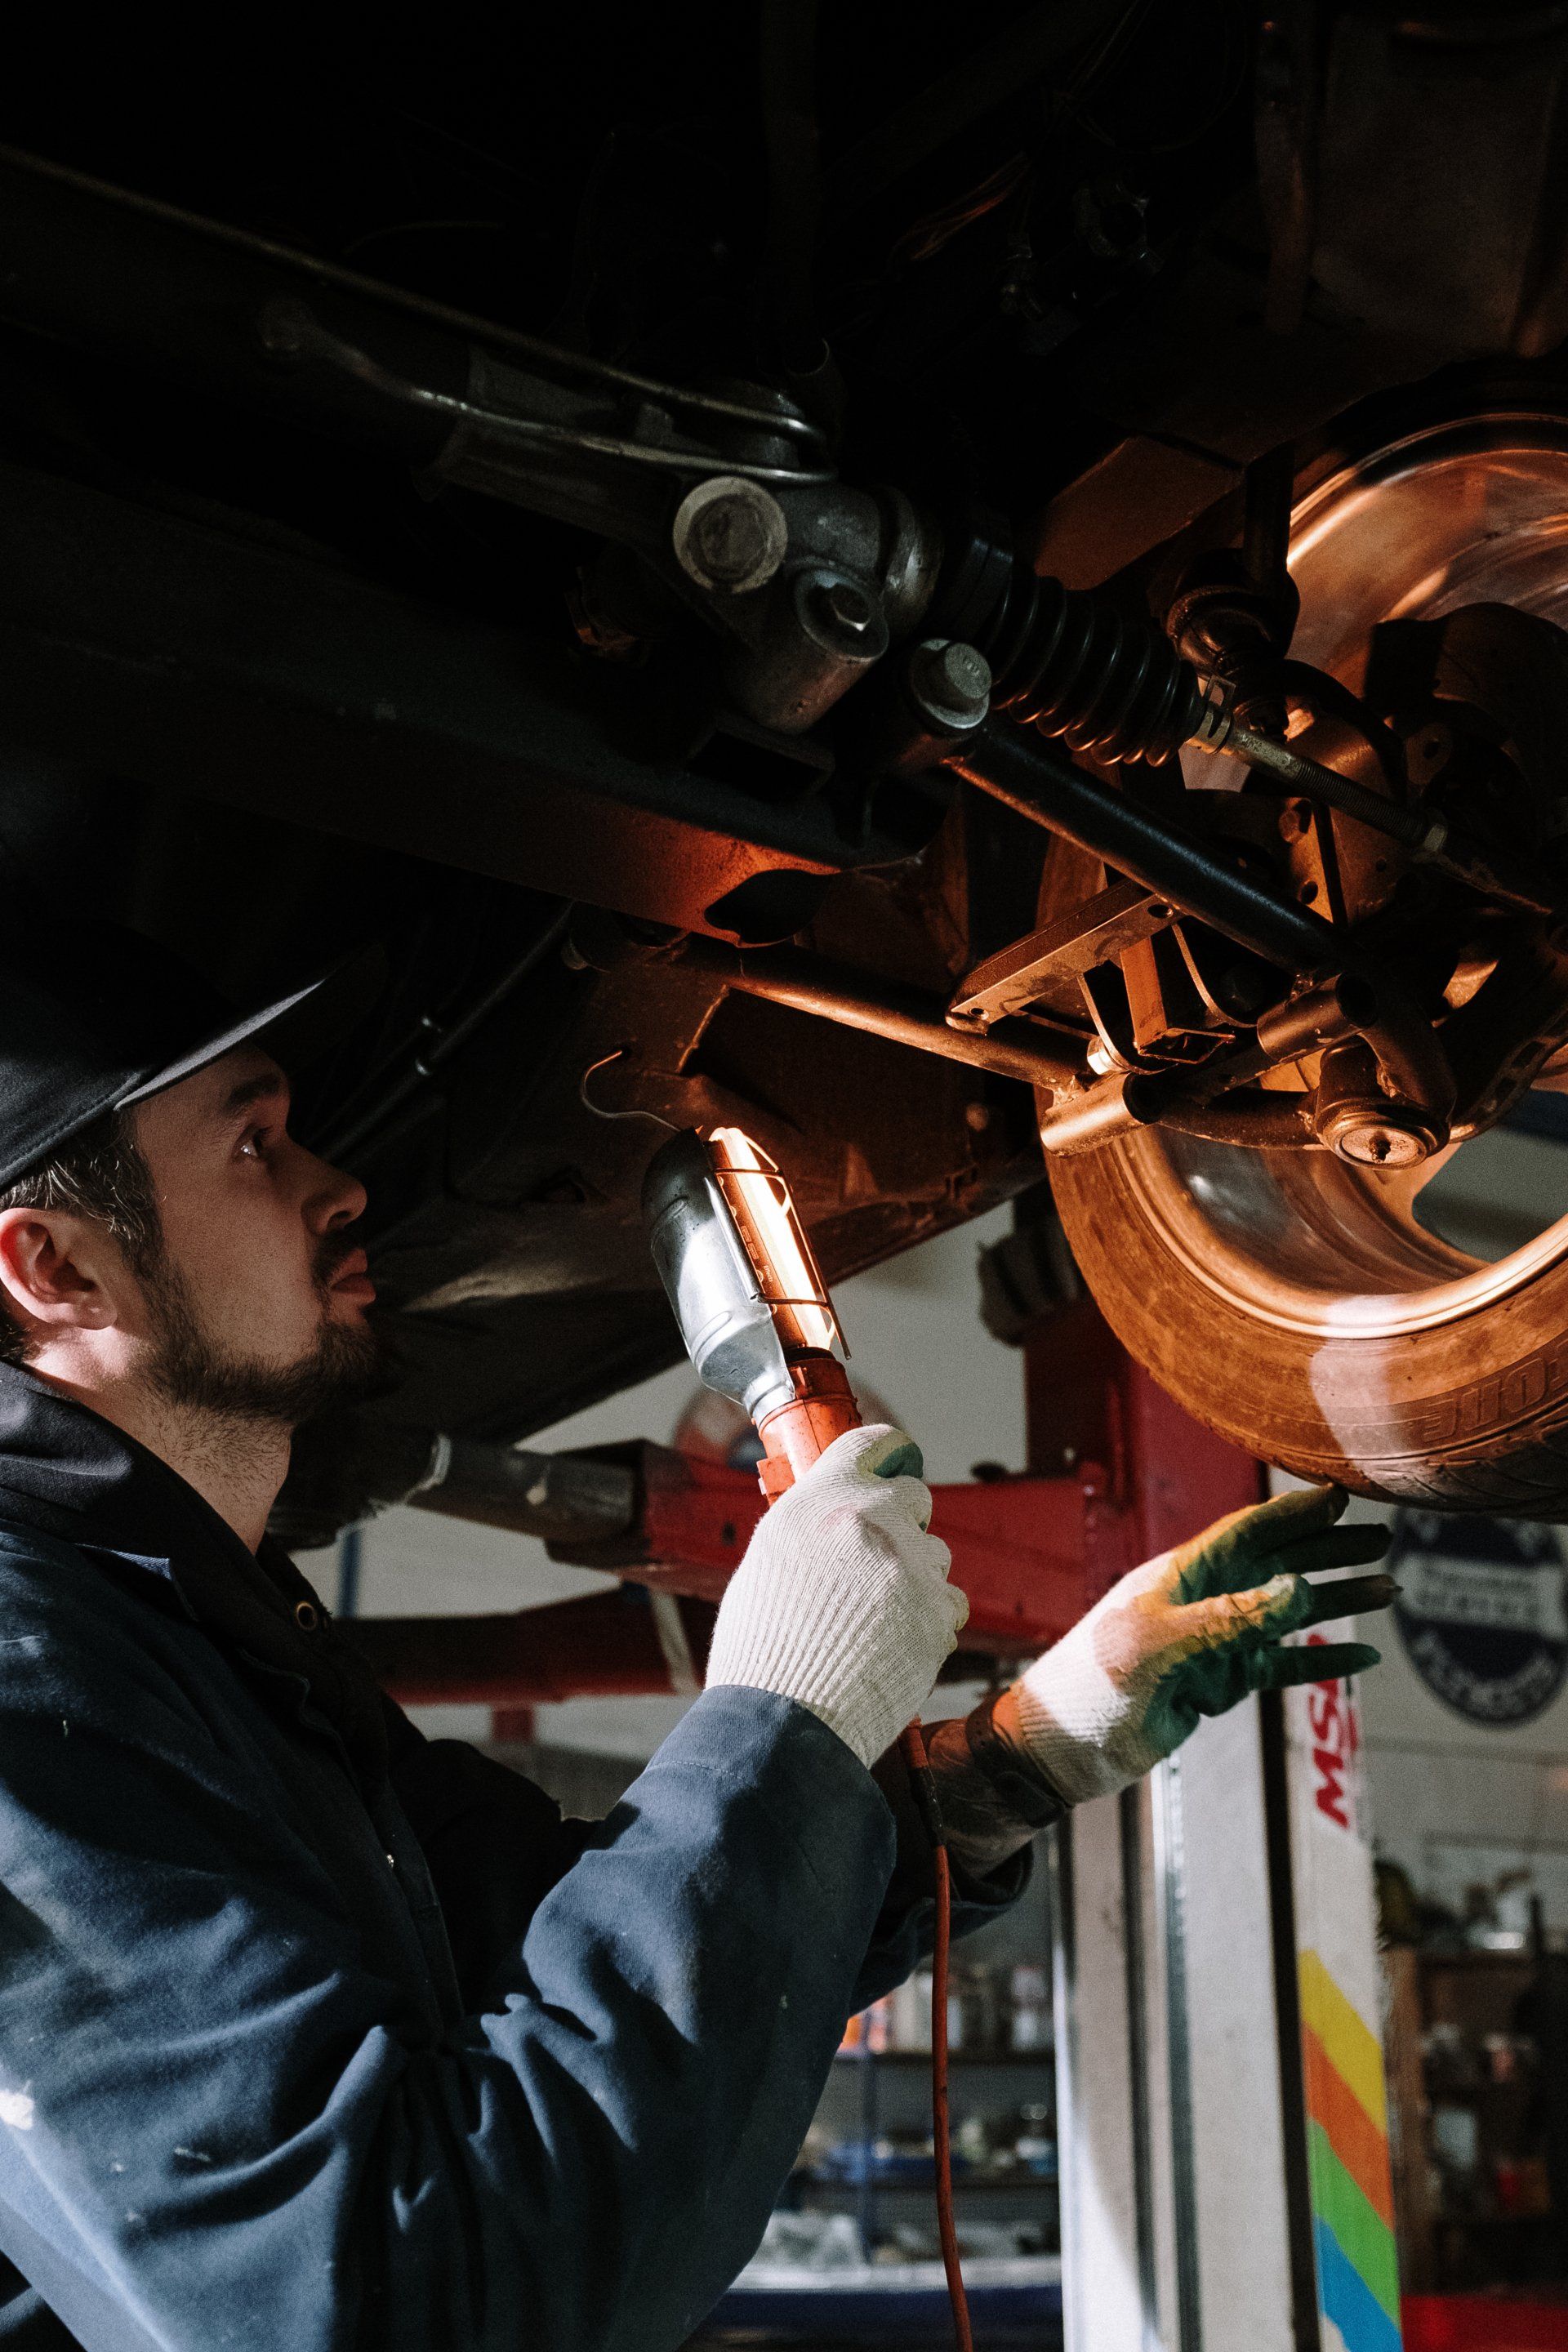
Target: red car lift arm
column 1032, row 1552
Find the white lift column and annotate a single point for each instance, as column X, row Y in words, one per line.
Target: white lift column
column 1223, row 2141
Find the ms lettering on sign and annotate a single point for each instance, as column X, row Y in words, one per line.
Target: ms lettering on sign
column 1331, row 1719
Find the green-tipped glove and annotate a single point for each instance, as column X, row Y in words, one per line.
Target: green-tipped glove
column 1188, row 1635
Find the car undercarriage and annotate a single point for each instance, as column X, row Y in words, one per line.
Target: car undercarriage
column 981, row 601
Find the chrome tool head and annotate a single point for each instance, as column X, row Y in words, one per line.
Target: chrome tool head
column 737, row 1267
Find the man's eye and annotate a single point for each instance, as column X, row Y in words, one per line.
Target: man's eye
column 253, row 1146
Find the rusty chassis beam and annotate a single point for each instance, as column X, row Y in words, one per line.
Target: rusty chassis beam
column 1030, row 1051
column 181, row 653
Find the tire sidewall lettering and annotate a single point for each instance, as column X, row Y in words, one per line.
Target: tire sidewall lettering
column 1494, row 1402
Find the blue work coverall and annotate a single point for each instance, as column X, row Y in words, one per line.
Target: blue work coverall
column 315, row 2033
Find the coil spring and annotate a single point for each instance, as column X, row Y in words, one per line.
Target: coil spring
column 1072, row 665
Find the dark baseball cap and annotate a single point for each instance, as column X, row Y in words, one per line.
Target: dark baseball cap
column 94, row 1017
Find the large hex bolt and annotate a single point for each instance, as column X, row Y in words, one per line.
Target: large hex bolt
column 730, row 535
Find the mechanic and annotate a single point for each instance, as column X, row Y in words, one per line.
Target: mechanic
column 314, row 2033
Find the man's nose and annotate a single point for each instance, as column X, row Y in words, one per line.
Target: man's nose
column 334, row 1198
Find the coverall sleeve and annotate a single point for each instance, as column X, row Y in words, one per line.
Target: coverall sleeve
column 222, row 2130
column 495, row 1843
column 905, row 1926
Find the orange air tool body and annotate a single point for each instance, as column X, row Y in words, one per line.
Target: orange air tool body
column 760, row 1328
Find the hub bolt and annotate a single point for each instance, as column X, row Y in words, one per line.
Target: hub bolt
column 1384, row 1135
column 1382, row 1147
column 1357, row 1120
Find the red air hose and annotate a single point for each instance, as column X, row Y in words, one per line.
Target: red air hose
column 913, row 1747
column 792, row 1438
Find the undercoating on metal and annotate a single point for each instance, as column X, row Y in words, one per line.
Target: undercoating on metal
column 353, row 591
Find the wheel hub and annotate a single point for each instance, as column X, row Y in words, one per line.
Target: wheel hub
column 1468, row 514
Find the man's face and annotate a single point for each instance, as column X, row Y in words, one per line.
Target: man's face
column 257, row 1303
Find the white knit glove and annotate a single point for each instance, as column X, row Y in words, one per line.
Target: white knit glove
column 1190, row 1634
column 842, row 1601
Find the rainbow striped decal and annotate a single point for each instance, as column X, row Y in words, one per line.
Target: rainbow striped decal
column 1353, row 2191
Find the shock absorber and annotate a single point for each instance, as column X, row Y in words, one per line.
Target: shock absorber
column 1068, row 663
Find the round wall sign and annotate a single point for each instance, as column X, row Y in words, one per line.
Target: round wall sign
column 1482, row 1612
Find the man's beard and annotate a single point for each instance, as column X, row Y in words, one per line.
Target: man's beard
column 190, row 1369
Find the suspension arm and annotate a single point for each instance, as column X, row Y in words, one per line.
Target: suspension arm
column 1025, row 1049
column 1041, row 785
column 1038, row 783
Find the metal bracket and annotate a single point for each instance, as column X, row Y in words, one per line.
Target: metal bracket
column 1045, row 967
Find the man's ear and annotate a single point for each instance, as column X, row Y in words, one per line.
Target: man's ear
column 52, row 1266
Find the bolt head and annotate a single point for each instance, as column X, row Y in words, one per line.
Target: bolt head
column 730, row 535
column 952, row 681
column 963, row 672
column 1384, row 1136
column 846, row 605
column 1383, row 1147
column 728, row 538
